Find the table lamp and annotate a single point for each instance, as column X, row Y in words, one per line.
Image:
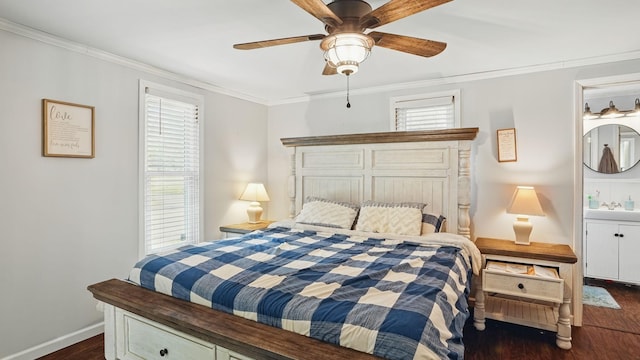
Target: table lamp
column 255, row 192
column 524, row 203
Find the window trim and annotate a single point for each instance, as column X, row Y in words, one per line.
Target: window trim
column 180, row 95
column 396, row 100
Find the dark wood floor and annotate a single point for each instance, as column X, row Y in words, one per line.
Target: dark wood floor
column 605, row 334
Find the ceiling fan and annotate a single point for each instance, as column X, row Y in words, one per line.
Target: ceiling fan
column 347, row 45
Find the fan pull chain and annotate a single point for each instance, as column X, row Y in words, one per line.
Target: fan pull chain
column 348, row 103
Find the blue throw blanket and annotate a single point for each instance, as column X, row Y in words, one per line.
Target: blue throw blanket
column 390, row 298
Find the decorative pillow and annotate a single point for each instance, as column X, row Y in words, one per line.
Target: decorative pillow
column 398, row 218
column 323, row 212
column 432, row 223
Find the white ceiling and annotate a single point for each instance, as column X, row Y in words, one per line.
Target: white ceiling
column 194, row 38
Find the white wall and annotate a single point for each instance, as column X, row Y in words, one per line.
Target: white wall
column 235, row 155
column 67, row 223
column 539, row 105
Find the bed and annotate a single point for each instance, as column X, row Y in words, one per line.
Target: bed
column 350, row 275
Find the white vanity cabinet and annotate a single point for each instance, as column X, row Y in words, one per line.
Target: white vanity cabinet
column 629, row 249
column 611, row 250
column 601, row 250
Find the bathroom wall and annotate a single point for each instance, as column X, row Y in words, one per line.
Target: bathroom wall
column 607, row 190
column 613, row 187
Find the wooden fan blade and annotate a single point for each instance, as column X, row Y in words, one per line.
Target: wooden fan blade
column 329, row 70
column 395, row 10
column 408, row 44
column 274, row 42
column 319, row 10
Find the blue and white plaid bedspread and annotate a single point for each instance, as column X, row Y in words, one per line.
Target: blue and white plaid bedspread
column 390, row 298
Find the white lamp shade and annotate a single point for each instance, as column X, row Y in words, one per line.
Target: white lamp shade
column 524, row 203
column 254, row 192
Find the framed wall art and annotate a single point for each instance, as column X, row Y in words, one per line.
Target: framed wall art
column 68, row 130
column 507, row 150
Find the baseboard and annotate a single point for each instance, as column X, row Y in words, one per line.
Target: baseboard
column 57, row 344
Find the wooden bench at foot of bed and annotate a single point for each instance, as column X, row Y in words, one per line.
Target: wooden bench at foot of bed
column 218, row 329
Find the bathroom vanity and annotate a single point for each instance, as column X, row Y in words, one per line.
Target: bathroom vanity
column 612, row 244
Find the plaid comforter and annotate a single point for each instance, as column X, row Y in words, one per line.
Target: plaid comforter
column 388, row 297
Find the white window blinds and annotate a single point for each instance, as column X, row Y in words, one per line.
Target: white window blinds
column 424, row 113
column 171, row 172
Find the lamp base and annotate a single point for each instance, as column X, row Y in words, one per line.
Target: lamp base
column 522, row 227
column 254, row 211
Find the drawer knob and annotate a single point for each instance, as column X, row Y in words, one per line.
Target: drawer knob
column 521, row 286
column 164, row 352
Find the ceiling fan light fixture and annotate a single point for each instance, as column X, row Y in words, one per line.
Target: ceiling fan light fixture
column 345, row 51
column 345, row 21
column 347, row 67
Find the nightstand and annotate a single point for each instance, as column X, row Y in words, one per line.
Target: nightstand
column 526, row 285
column 244, row 228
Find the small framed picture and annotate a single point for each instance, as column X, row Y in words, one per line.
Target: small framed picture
column 67, row 129
column 507, row 150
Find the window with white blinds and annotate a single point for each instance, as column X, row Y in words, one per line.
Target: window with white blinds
column 425, row 112
column 171, row 204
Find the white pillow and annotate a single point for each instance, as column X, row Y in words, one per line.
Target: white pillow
column 398, row 218
column 323, row 212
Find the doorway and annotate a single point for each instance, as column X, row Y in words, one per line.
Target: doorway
column 596, row 96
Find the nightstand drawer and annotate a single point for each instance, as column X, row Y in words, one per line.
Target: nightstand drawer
column 531, row 287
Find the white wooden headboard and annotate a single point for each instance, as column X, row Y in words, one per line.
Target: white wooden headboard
column 432, row 167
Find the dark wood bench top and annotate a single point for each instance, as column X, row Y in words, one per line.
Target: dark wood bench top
column 237, row 334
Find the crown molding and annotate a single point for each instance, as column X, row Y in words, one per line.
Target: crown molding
column 116, row 59
column 453, row 79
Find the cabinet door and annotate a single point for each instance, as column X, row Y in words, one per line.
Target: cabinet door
column 629, row 252
column 601, row 250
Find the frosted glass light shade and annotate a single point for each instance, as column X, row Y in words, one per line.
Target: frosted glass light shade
column 345, row 51
column 255, row 192
column 524, row 203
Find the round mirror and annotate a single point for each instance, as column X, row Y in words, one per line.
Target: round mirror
column 611, row 148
